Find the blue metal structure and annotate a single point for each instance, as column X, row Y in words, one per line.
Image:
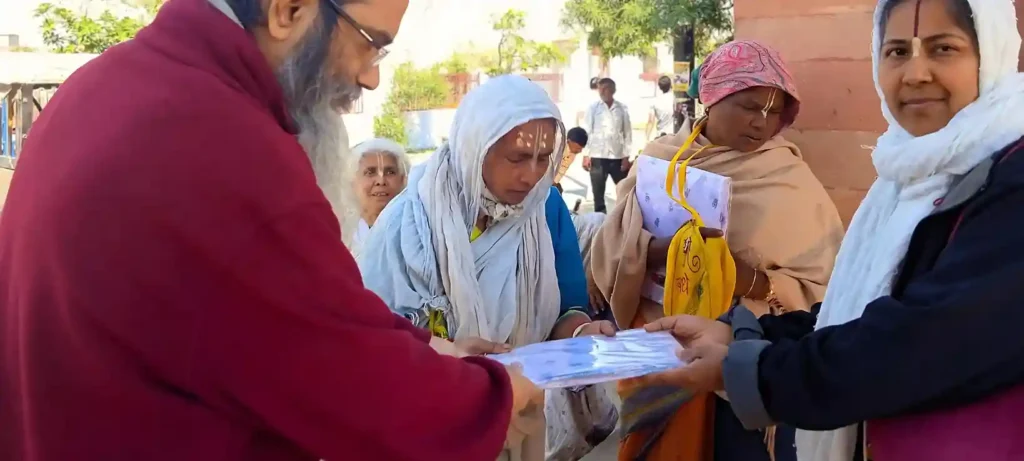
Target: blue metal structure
column 6, row 138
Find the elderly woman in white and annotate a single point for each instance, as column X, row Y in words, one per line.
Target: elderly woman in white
column 466, row 250
column 380, row 175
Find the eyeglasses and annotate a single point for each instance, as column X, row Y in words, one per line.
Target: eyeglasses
column 381, row 51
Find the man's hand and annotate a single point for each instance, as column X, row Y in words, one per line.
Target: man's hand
column 598, row 328
column 703, row 373
column 705, row 343
column 626, row 164
column 479, row 346
column 692, row 331
column 586, row 163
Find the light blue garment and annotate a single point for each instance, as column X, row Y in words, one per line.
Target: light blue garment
column 502, row 286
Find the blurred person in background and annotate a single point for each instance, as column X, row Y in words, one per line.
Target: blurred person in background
column 660, row 120
column 576, row 141
column 611, row 135
column 580, row 114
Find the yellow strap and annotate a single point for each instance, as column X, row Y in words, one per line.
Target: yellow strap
column 670, row 179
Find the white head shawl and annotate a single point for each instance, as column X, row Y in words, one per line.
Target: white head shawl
column 501, row 287
column 913, row 173
column 383, row 146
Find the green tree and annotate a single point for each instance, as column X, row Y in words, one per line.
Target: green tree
column 418, row 89
column 65, row 31
column 466, row 61
column 711, row 20
column 412, row 89
column 390, row 124
column 633, row 27
column 616, row 27
column 518, row 54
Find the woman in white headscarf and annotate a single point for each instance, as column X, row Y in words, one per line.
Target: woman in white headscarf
column 466, row 250
column 919, row 332
column 382, row 169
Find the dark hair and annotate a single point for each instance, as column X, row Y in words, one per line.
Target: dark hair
column 578, row 135
column 665, row 84
column 960, row 10
column 606, row 81
column 593, row 83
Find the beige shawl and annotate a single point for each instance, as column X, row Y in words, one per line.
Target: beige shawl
column 781, row 221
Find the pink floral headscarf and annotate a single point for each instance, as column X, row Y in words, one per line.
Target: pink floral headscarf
column 743, row 64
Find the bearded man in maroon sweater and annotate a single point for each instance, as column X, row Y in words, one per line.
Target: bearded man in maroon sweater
column 173, row 284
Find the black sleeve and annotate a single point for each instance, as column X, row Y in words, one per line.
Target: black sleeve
column 791, row 325
column 954, row 337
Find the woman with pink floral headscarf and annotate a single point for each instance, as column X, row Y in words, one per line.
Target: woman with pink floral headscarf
column 784, row 232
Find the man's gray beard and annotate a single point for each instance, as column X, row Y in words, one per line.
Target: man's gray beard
column 324, row 138
column 312, row 94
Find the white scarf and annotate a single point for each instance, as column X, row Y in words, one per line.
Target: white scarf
column 914, row 174
column 500, row 287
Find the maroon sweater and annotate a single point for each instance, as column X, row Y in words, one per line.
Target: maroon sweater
column 173, row 284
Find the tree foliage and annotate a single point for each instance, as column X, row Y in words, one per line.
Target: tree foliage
column 466, row 61
column 412, row 89
column 633, row 27
column 67, row 31
column 616, row 27
column 518, row 54
column 390, row 124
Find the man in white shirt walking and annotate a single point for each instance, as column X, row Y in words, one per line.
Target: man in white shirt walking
column 611, row 134
column 661, row 120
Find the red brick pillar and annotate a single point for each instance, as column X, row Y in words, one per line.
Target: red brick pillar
column 1020, row 27
column 827, row 44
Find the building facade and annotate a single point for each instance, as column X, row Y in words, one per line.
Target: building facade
column 828, row 46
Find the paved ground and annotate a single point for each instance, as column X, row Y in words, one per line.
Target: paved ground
column 609, row 449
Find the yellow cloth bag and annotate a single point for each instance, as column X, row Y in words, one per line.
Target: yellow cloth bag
column 700, row 276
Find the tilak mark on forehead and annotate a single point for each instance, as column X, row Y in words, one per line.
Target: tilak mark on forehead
column 527, row 140
column 916, row 42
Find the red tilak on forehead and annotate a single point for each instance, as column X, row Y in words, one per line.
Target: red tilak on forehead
column 916, row 42
column 917, row 17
